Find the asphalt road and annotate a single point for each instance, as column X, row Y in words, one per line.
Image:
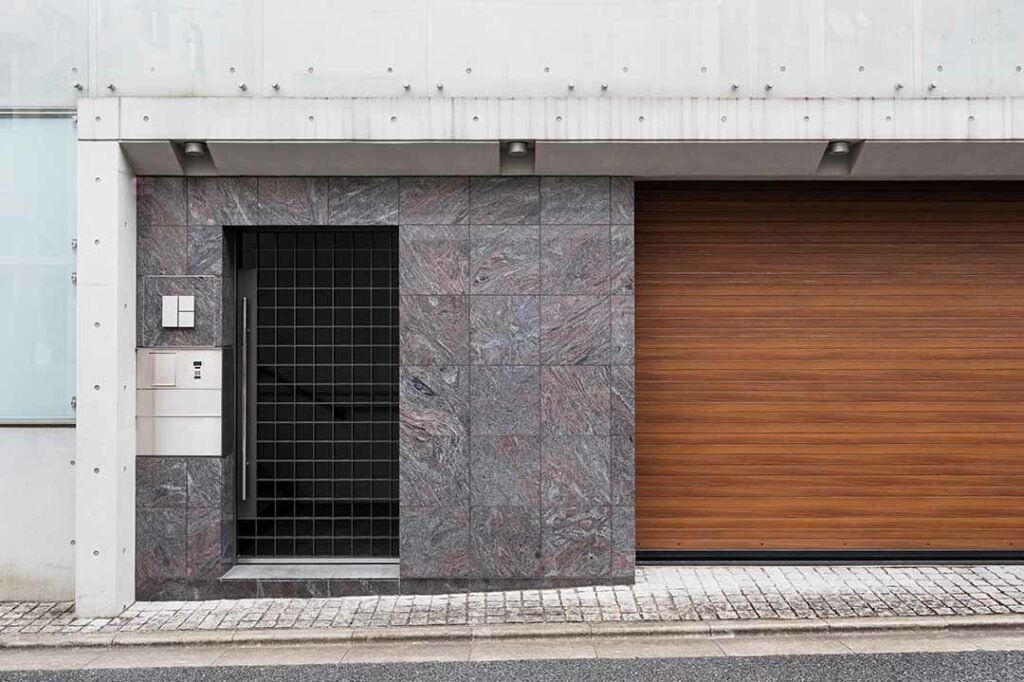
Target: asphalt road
column 994, row 666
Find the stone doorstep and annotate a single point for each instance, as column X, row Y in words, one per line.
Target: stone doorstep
column 449, row 633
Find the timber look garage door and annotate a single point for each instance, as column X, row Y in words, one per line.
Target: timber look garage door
column 830, row 367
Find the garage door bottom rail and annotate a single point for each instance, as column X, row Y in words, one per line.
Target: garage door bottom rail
column 769, row 557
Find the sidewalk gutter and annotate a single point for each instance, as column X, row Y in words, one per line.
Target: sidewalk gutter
column 446, row 633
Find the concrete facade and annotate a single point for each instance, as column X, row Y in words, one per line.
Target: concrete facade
column 291, row 89
column 38, row 557
column 516, row 353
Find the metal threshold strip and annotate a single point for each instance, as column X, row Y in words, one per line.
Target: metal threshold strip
column 314, row 570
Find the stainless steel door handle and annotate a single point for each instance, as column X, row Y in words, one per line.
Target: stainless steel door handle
column 245, row 395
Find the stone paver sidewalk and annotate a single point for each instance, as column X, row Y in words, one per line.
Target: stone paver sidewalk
column 661, row 594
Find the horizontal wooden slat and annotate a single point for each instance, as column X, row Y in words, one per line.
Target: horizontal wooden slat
column 859, row 453
column 750, row 474
column 654, row 360
column 829, row 366
column 681, row 391
column 828, row 506
column 975, row 377
column 826, row 540
column 656, row 303
column 840, row 483
column 810, row 326
column 668, row 231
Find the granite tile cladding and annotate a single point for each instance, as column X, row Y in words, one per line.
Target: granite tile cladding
column 516, row 386
column 178, row 529
column 549, row 283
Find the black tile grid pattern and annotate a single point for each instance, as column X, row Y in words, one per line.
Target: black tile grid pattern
column 327, row 393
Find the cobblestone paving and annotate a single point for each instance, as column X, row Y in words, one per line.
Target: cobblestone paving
column 660, row 594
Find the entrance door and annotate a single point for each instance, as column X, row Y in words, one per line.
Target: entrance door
column 318, row 396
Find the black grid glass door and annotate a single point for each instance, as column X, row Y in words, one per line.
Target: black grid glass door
column 320, row 393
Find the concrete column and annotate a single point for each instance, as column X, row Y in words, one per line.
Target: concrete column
column 105, row 378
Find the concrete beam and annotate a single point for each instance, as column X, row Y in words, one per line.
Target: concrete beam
column 384, row 119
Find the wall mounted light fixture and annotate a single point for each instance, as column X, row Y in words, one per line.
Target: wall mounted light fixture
column 518, row 148
column 838, row 148
column 194, row 148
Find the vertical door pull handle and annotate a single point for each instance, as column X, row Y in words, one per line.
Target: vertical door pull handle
column 245, row 396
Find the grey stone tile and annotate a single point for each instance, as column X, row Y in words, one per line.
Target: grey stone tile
column 160, row 482
column 363, row 201
column 159, row 542
column 206, row 250
column 291, row 201
column 622, row 258
column 228, row 478
column 577, row 541
column 623, row 541
column 622, row 201
column 321, row 201
column 409, row 585
column 575, row 330
column 209, row 303
column 574, row 259
column 434, row 330
column 205, row 481
column 505, row 542
column 623, row 450
column 228, row 297
column 160, row 250
column 160, row 589
column 433, row 259
column 623, row 401
column 434, row 543
column 434, row 472
column 222, row 201
column 354, row 588
column 504, row 401
column 504, row 330
column 575, row 471
column 433, row 201
column 505, row 259
column 505, row 471
column 160, row 201
column 574, row 400
column 201, row 589
column 293, row 589
column 504, row 200
column 623, row 311
column 140, row 308
column 574, row 201
column 434, row 401
column 203, row 542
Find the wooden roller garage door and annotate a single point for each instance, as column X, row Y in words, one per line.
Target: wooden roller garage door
column 830, row 367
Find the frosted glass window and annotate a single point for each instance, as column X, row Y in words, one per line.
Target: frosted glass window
column 37, row 314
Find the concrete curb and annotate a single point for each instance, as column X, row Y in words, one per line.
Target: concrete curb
column 450, row 633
